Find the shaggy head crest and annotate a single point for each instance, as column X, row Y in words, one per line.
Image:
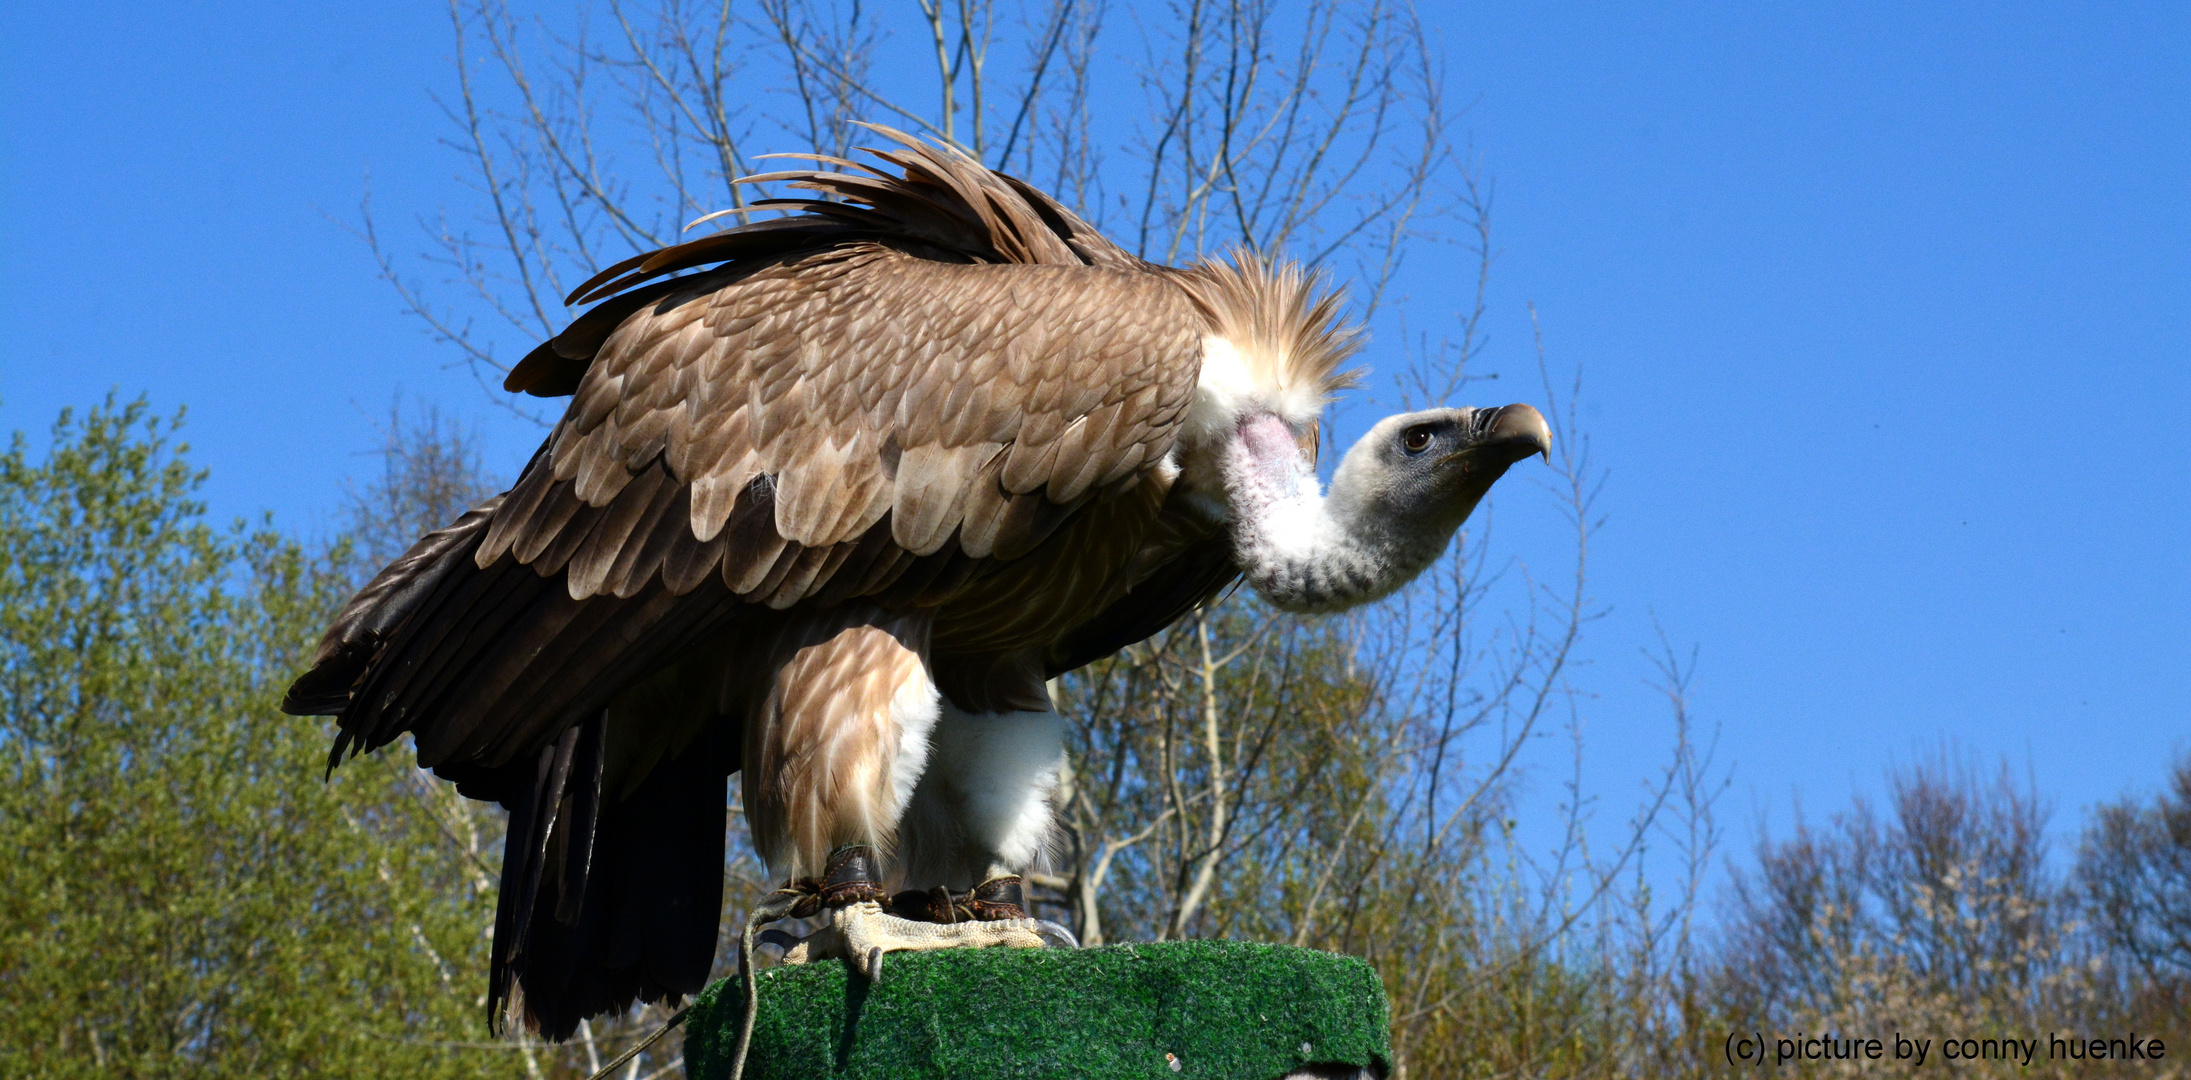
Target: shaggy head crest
column 1276, row 342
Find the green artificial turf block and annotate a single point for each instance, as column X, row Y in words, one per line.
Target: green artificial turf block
column 1221, row 1010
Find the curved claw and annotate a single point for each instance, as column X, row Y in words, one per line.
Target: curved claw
column 1055, row 935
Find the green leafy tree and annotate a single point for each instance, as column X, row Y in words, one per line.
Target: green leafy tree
column 185, row 896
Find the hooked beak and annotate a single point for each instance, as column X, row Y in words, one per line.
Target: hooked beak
column 1508, row 434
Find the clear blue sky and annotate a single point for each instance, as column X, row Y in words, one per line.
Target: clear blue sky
column 1882, row 310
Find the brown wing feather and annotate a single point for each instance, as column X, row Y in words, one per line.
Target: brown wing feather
column 854, row 385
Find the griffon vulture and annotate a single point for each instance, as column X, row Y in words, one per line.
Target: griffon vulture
column 827, row 515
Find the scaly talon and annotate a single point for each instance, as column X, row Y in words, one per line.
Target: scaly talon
column 861, row 933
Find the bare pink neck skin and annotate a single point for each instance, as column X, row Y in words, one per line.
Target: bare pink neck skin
column 1299, row 549
column 1265, row 466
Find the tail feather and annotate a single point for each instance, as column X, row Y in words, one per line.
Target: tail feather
column 581, row 817
column 606, row 902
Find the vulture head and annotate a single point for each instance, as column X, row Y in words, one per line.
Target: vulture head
column 1395, row 501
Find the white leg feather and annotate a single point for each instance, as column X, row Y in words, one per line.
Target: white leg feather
column 983, row 806
column 913, row 712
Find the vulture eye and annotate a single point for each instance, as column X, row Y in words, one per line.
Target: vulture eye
column 1415, row 440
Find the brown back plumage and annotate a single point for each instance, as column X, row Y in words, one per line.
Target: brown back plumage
column 944, row 201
